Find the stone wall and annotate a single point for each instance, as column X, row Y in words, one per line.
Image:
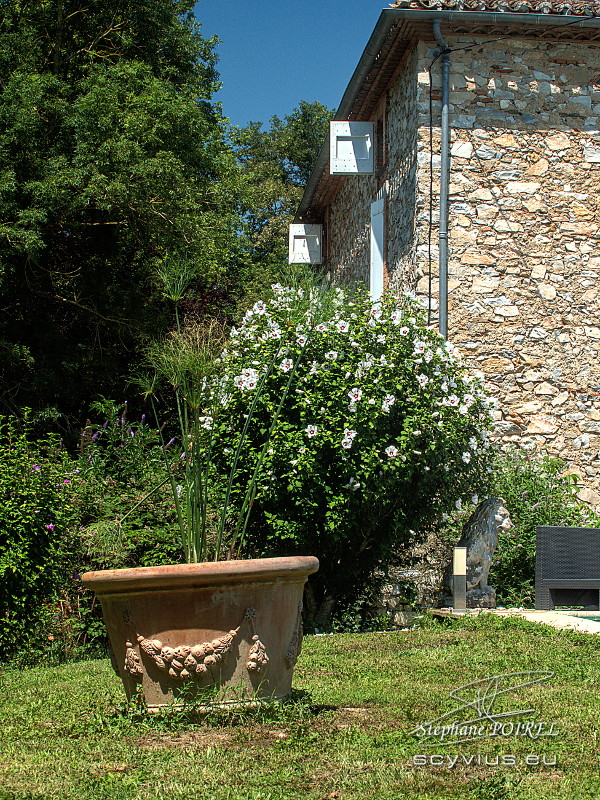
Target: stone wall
column 401, row 147
column 524, row 235
column 524, row 229
column 349, row 230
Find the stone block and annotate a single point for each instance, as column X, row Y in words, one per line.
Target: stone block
column 546, row 291
column 522, row 187
column 557, row 142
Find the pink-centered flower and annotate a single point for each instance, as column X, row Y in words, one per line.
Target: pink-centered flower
column 391, row 451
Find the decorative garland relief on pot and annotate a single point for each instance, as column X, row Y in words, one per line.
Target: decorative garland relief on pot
column 194, row 661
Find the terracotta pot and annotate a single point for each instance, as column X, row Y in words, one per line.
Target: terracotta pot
column 222, row 631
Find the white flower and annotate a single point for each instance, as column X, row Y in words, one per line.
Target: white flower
column 313, row 368
column 381, row 339
column 259, row 307
column 331, row 355
column 286, row 364
column 419, row 347
column 311, row 430
column 475, row 499
column 349, row 434
column 452, row 350
column 321, row 327
column 352, row 484
column 391, row 451
column 466, row 457
column 396, row 316
column 346, row 444
column 473, row 444
column 206, row 423
column 355, row 395
column 422, row 380
column 468, row 400
column 342, row 326
column 452, row 401
column 376, row 312
column 403, row 331
column 302, row 339
column 277, row 287
column 458, row 503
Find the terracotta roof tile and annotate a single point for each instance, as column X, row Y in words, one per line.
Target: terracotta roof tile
column 583, row 8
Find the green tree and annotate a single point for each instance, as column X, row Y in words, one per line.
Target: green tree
column 112, row 157
column 276, row 163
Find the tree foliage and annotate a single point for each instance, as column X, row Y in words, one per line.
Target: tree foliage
column 111, row 157
column 276, row 163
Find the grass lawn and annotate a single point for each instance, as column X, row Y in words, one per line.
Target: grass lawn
column 66, row 733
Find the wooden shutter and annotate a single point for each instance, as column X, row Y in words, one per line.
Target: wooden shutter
column 377, row 249
column 351, row 148
column 305, row 244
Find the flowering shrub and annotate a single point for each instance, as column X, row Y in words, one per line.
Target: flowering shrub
column 353, row 424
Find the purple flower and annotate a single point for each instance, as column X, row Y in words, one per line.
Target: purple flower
column 36, row 467
column 143, row 419
column 66, row 480
column 50, row 526
column 170, row 442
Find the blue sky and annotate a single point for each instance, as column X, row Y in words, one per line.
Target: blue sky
column 275, row 53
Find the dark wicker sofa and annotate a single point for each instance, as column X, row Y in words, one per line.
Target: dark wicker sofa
column 567, row 567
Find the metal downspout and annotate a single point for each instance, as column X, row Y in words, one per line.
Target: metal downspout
column 444, row 180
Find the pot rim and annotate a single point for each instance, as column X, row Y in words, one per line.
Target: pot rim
column 287, row 569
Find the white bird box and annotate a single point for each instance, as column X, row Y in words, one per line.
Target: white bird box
column 305, row 244
column 352, row 148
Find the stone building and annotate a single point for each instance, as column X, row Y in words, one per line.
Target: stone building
column 523, row 200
